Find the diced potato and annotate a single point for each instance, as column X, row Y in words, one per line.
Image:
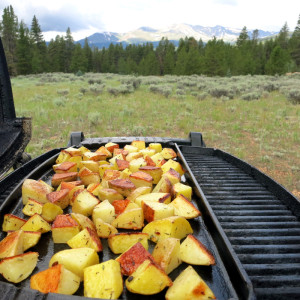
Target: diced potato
column 17, row 268
column 185, row 208
column 90, row 178
column 130, row 219
column 156, row 211
column 167, row 254
column 140, row 179
column 73, row 151
column 32, row 207
column 189, row 285
column 122, row 164
column 12, row 222
column 138, row 144
column 12, row 244
column 103, row 280
column 138, row 192
column 177, row 227
column 50, row 211
column 157, row 158
column 86, row 238
column 122, row 186
column 35, row 190
column 120, row 206
column 104, row 167
column 92, row 165
column 156, row 146
column 59, row 198
column 113, row 160
column 125, row 173
column 94, row 188
column 109, row 194
column 148, row 279
column 172, row 175
column 95, row 156
column 158, row 197
column 75, row 260
column 174, row 165
column 168, row 153
column 64, row 228
column 65, row 167
column 149, row 161
column 135, row 164
column 147, row 152
column 83, row 221
column 154, row 172
column 104, row 230
column 120, row 151
column 105, row 151
column 193, row 252
column 36, row 223
column 56, row 279
column 57, row 179
column 105, row 211
column 63, row 156
column 133, row 155
column 74, row 192
column 76, row 159
column 111, row 174
column 163, row 186
column 131, row 148
column 121, row 242
column 183, row 189
column 132, row 258
column 30, row 239
column 83, row 149
column 84, row 203
column 111, row 146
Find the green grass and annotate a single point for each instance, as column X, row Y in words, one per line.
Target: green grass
column 264, row 132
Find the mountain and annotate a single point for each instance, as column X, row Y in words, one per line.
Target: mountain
column 174, row 33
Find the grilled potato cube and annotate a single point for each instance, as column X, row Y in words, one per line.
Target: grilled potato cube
column 121, row 242
column 104, row 230
column 122, row 205
column 94, row 188
column 95, row 156
column 185, row 208
column 189, row 285
column 36, row 190
column 177, row 227
column 168, row 153
column 147, row 152
column 135, row 164
column 62, row 157
column 104, row 167
column 59, row 198
column 130, row 219
column 148, row 279
column 111, row 146
column 113, row 160
column 32, row 207
column 65, row 167
column 56, row 279
column 167, row 254
column 111, row 174
column 155, row 146
column 172, row 175
column 103, row 280
column 125, row 173
column 84, row 203
column 83, row 221
column 193, row 252
column 75, row 260
column 57, row 179
column 12, row 222
column 50, row 211
column 120, row 151
column 138, row 144
column 122, row 186
column 73, row 151
column 86, row 238
column 17, row 268
column 30, row 239
column 90, row 178
column 105, row 151
column 158, row 197
column 156, row 211
column 141, row 178
column 12, row 244
column 174, row 165
column 63, row 229
column 122, row 164
column 83, row 149
column 163, row 186
column 109, row 194
column 183, row 189
column 130, row 148
column 138, row 192
column 133, row 155
column 105, row 211
column 92, row 165
column 154, row 172
column 157, row 158
column 132, row 258
column 36, row 223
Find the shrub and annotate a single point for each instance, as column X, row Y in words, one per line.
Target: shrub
column 202, row 96
column 97, row 88
column 83, row 90
column 94, row 117
column 294, row 96
column 59, row 101
column 63, row 92
column 219, row 91
column 164, row 90
column 251, row 96
column 180, row 92
column 122, row 89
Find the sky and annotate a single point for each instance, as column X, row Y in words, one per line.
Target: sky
column 85, row 17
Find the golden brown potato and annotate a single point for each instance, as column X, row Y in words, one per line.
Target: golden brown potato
column 182, row 189
column 32, row 207
column 185, row 208
column 158, row 197
column 57, row 179
column 122, row 186
column 50, row 211
column 138, row 192
column 140, row 179
column 174, row 165
column 65, row 167
column 168, row 153
column 156, row 211
column 12, row 244
column 59, row 198
column 153, row 171
column 105, row 211
column 12, row 222
column 104, row 230
column 84, row 203
column 130, row 219
column 109, row 194
column 36, row 223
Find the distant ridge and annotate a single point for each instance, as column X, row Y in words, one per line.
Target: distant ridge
column 174, row 33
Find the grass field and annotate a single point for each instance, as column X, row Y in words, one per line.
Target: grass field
column 255, row 118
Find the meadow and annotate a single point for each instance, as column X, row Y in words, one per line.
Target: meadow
column 256, row 118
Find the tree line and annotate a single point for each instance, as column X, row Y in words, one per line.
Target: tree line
column 28, row 53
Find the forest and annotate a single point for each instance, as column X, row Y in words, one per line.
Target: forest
column 28, row 53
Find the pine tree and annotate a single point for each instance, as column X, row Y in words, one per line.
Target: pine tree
column 69, row 49
column 278, row 62
column 87, row 52
column 78, row 62
column 283, row 36
column 9, row 33
column 294, row 45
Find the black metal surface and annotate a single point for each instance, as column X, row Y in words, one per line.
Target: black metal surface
column 259, row 217
column 216, row 276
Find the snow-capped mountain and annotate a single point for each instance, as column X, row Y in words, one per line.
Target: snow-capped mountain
column 174, row 33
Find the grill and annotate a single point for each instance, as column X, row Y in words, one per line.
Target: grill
column 260, row 219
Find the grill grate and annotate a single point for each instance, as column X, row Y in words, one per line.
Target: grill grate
column 263, row 231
